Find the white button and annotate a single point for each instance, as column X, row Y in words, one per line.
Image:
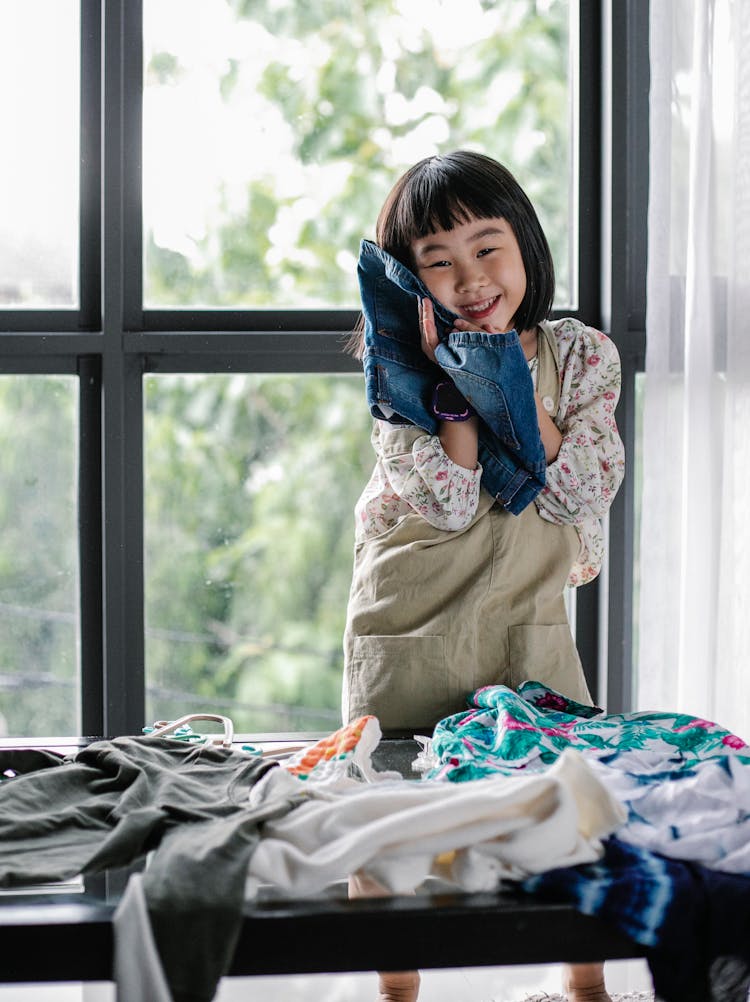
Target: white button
column 548, row 403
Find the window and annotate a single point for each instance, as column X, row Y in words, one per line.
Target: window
column 39, row 595
column 39, row 66
column 250, row 481
column 191, row 372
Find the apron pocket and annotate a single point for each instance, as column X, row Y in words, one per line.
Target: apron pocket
column 401, row 680
column 547, row 654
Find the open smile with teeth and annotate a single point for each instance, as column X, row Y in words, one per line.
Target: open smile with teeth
column 480, row 310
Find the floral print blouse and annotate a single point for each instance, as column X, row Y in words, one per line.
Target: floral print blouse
column 580, row 485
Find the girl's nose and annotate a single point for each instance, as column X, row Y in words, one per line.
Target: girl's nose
column 470, row 278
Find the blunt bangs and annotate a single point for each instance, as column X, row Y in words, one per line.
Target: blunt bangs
column 438, row 193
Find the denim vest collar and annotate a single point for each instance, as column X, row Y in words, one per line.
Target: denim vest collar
column 373, row 260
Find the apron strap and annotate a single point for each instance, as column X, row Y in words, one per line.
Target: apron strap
column 548, row 371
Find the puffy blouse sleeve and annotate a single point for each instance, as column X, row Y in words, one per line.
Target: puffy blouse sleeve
column 582, row 481
column 422, row 475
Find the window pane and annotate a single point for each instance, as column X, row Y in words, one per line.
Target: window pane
column 251, row 482
column 273, row 132
column 39, row 624
column 40, row 68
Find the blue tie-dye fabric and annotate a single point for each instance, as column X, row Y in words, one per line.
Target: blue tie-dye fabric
column 694, row 923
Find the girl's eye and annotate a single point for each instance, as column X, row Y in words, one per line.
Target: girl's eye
column 484, row 251
column 439, row 264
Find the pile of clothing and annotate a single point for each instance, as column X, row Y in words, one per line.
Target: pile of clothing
column 641, row 818
column 675, row 874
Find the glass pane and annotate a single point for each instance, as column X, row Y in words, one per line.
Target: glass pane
column 251, row 482
column 40, row 68
column 273, row 132
column 39, row 623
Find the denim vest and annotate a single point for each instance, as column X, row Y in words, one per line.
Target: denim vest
column 490, row 370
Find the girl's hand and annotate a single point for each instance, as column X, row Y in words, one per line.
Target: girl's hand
column 427, row 329
column 466, row 325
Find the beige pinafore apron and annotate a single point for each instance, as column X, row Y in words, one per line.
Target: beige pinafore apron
column 435, row 614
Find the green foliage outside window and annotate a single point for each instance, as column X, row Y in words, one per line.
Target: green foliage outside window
column 38, row 556
column 250, row 484
column 356, row 92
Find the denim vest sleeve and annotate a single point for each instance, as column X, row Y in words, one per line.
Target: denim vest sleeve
column 490, row 370
column 492, row 373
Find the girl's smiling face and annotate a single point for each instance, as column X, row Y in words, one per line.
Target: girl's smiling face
column 475, row 270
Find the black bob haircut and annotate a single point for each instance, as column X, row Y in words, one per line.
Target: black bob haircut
column 441, row 192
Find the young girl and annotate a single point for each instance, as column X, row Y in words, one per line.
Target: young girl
column 497, row 454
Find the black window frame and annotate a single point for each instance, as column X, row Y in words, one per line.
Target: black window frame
column 111, row 342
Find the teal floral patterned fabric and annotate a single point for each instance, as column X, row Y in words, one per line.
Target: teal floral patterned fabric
column 506, row 730
column 684, row 781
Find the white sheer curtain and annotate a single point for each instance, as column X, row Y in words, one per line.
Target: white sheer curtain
column 694, row 572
